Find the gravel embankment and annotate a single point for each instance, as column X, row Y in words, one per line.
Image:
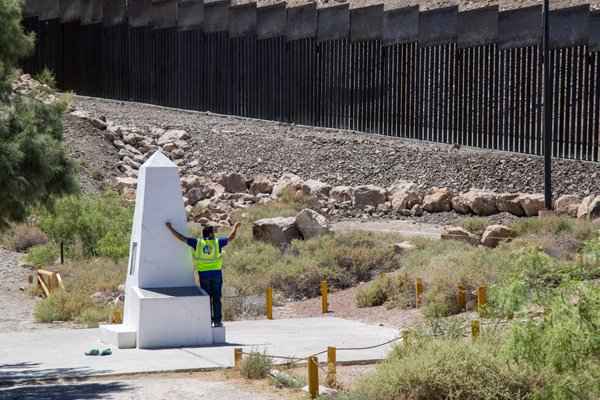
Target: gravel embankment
column 252, row 147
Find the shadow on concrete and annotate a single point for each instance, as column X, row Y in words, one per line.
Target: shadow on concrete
column 78, row 391
column 13, row 374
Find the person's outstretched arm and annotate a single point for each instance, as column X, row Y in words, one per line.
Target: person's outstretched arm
column 233, row 232
column 175, row 233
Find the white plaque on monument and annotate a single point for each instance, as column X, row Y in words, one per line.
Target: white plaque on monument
column 163, row 305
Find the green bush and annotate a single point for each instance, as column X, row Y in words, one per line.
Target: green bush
column 43, row 255
column 255, row 366
column 441, row 369
column 100, row 223
column 47, row 77
column 476, row 225
column 376, row 293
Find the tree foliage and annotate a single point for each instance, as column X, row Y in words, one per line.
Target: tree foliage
column 34, row 167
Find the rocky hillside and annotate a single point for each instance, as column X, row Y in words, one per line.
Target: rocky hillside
column 230, row 163
column 222, row 144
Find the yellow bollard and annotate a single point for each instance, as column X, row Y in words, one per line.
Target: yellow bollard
column 481, row 299
column 237, row 358
column 269, row 303
column 461, row 298
column 418, row 292
column 313, row 377
column 331, row 372
column 475, row 328
column 324, row 297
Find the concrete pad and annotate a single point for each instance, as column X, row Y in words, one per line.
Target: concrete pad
column 400, row 227
column 59, row 353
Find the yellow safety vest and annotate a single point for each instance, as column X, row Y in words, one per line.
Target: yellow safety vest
column 207, row 256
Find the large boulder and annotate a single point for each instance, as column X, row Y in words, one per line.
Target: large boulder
column 172, row 136
column 316, row 188
column 287, row 183
column 233, row 183
column 195, row 194
column 261, row 184
column 311, row 224
column 438, row 200
column 404, row 195
column 510, row 203
column 368, row 195
column 459, row 234
column 567, row 204
column 279, row 231
column 589, row 208
column 341, row 194
column 494, row 234
column 478, row 202
column 532, row 204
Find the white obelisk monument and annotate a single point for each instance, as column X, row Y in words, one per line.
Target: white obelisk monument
column 163, row 305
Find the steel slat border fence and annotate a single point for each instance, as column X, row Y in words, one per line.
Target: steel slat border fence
column 484, row 95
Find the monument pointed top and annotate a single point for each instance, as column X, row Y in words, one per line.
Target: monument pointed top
column 158, row 159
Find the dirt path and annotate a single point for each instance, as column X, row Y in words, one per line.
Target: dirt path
column 16, row 305
column 402, row 227
column 343, row 305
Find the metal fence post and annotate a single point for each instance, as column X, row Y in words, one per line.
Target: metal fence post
column 237, row 358
column 331, row 370
column 313, row 377
column 324, row 297
column 269, row 303
column 418, row 292
column 481, row 299
column 461, row 298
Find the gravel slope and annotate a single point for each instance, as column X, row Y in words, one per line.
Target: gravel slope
column 252, row 147
column 16, row 306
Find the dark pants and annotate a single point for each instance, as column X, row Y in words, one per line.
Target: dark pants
column 213, row 285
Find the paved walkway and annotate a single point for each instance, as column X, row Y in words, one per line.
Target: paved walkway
column 59, row 353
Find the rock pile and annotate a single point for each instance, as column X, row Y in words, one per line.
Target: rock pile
column 491, row 237
column 281, row 231
column 214, row 198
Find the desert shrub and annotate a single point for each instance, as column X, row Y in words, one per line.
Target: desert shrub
column 81, row 281
column 285, row 380
column 43, row 255
column 376, row 293
column 100, row 223
column 255, row 365
column 47, row 77
column 26, row 236
column 431, row 369
column 476, row 225
column 580, row 229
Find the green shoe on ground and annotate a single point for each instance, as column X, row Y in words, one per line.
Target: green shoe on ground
column 106, row 352
column 92, row 352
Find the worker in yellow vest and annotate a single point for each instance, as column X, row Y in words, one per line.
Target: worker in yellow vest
column 207, row 254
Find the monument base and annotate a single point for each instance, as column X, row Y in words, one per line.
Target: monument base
column 166, row 317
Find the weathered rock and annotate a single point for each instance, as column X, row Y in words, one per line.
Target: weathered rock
column 178, row 154
column 438, row 200
column 233, row 183
column 510, row 202
column 261, row 184
column 287, row 183
column 200, row 192
column 416, row 210
column 459, row 234
column 80, row 114
column 404, row 195
column 567, row 204
column 403, row 247
column 494, row 234
column 531, row 203
column 122, row 183
column 311, row 224
column 98, row 123
column 368, row 195
column 341, row 193
column 589, row 208
column 316, row 188
column 173, row 135
column 478, row 202
column 278, row 231
column 169, row 147
column 191, row 181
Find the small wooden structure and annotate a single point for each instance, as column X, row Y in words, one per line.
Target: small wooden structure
column 47, row 281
